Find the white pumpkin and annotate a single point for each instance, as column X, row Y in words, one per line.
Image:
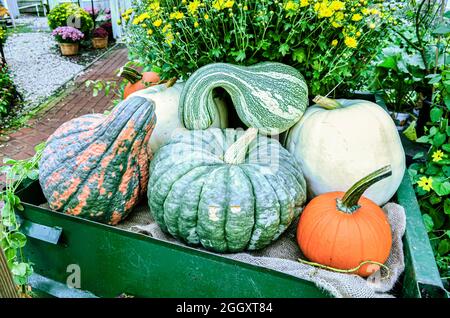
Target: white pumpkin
column 167, row 101
column 341, row 141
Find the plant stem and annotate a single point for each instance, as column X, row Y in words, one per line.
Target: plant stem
column 349, row 203
column 327, row 103
column 130, row 74
column 235, row 154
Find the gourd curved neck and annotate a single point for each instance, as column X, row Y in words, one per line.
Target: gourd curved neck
column 327, row 103
column 235, row 154
column 349, row 202
column 130, row 74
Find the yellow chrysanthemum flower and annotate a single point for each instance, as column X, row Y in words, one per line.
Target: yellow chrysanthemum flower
column 291, row 6
column 166, row 28
column 193, row 7
column 177, row 15
column 196, row 24
column 304, row 3
column 154, row 7
column 372, row 25
column 229, row 4
column 169, row 38
column 437, row 155
column 218, row 4
column 245, row 8
column 351, row 42
column 334, row 42
column 425, row 183
column 149, row 31
column 339, row 16
column 337, row 5
column 357, row 17
column 206, row 17
column 157, row 23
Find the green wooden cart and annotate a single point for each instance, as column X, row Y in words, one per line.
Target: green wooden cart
column 113, row 262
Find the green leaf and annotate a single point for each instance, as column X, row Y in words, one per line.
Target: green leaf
column 33, row 174
column 423, row 139
column 447, row 206
column 446, row 147
column 439, row 139
column 447, row 14
column 441, row 188
column 419, row 155
column 442, row 29
column 444, row 247
column 434, row 78
column 17, row 240
column 436, row 114
column 19, row 269
column 284, row 49
column 299, row 55
column 428, row 222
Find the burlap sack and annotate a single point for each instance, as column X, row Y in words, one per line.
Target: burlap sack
column 282, row 256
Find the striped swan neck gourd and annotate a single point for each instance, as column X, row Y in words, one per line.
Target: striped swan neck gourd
column 269, row 96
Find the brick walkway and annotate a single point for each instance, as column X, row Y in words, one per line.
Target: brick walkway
column 77, row 102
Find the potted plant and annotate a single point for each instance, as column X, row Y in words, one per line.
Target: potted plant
column 68, row 38
column 100, row 38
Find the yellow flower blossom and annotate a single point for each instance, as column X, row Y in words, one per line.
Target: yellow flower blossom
column 169, row 38
column 245, row 8
column 177, row 15
column 304, row 3
column 154, row 7
column 357, row 17
column 149, row 31
column 339, row 16
column 218, row 4
column 334, row 42
column 196, row 24
column 437, row 155
column 336, row 24
column 206, row 17
column 337, row 5
column 358, row 34
column 372, row 25
column 425, row 183
column 351, row 42
column 193, row 7
column 157, row 23
column 291, row 6
column 166, row 28
column 229, row 4
column 365, row 11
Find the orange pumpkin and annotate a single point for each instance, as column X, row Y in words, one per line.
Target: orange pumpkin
column 343, row 230
column 137, row 80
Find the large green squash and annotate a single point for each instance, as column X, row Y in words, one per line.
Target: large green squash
column 96, row 166
column 224, row 189
column 269, row 96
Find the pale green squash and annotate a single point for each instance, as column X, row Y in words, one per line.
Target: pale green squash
column 269, row 96
column 224, row 189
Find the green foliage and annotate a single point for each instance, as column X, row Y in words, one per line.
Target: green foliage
column 431, row 175
column 18, row 173
column 3, row 35
column 70, row 14
column 8, row 93
column 329, row 42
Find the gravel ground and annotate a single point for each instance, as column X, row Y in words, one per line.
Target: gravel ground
column 37, row 68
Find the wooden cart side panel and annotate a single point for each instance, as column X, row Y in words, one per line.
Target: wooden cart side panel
column 112, row 262
column 421, row 277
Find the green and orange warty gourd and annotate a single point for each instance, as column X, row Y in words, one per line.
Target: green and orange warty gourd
column 345, row 230
column 96, row 166
column 225, row 189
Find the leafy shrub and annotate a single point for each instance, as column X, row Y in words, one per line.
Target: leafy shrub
column 8, row 94
column 69, row 14
column 328, row 41
column 431, row 175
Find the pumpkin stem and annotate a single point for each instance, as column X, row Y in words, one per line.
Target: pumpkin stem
column 130, row 74
column 327, row 103
column 235, row 154
column 349, row 203
column 171, row 82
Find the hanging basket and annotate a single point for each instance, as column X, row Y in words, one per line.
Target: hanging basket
column 99, row 43
column 68, row 49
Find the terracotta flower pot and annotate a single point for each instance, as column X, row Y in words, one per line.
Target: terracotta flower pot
column 68, row 49
column 99, row 43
